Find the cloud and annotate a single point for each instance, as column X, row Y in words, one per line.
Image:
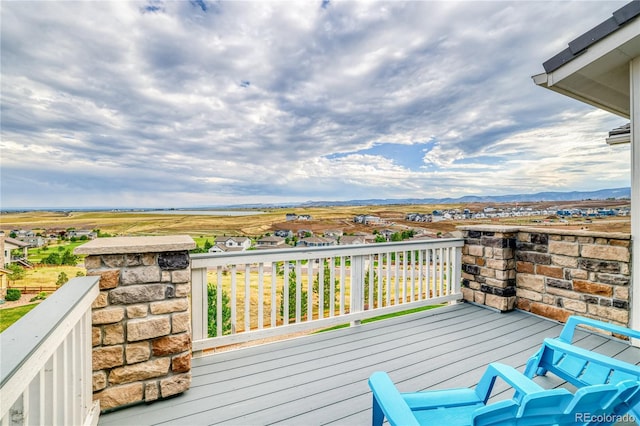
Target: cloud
column 201, row 103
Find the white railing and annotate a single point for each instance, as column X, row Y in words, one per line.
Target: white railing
column 45, row 366
column 243, row 296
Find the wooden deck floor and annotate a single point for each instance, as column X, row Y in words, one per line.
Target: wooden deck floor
column 322, row 378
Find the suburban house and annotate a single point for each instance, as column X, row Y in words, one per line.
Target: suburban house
column 10, row 244
column 271, row 242
column 367, row 219
column 226, row 244
column 368, row 238
column 284, row 233
column 302, row 233
column 79, row 233
column 316, row 242
column 602, row 68
column 347, row 240
column 333, row 233
column 293, row 216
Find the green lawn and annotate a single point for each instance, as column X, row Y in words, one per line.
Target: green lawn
column 10, row 315
column 381, row 317
column 37, row 254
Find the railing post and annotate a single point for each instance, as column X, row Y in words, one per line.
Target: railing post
column 199, row 306
column 356, row 302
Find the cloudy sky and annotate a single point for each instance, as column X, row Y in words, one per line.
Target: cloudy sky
column 203, row 103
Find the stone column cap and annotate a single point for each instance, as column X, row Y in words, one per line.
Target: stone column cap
column 545, row 230
column 123, row 245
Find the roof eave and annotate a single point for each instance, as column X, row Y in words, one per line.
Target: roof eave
column 542, row 81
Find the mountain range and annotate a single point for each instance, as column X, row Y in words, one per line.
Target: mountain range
column 602, row 194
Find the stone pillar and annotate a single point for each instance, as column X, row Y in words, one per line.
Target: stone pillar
column 141, row 319
column 489, row 266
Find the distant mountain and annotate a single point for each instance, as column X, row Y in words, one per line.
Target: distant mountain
column 602, row 194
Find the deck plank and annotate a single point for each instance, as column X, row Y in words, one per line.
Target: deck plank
column 322, row 378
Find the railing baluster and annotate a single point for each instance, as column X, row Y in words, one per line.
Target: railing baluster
column 379, row 283
column 321, row 287
column 332, row 288
column 342, row 284
column 310, row 289
column 397, row 278
column 274, row 275
column 234, row 306
column 434, row 274
column 285, row 292
column 441, row 276
column 219, row 307
column 372, row 284
column 260, row 295
column 298, row 292
column 247, row 297
column 388, row 285
column 420, row 283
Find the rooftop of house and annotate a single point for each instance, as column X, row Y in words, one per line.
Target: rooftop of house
column 620, row 18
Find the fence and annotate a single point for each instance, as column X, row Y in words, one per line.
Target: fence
column 243, row 296
column 33, row 289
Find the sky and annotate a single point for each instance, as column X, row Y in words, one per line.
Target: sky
column 177, row 104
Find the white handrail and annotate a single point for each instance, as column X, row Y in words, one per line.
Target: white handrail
column 281, row 291
column 45, row 367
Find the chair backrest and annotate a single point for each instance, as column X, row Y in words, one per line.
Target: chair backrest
column 604, row 403
column 581, row 367
column 542, row 408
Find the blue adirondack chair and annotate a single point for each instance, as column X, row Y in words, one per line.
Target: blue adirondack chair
column 579, row 366
column 531, row 405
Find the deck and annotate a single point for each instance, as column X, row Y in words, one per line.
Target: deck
column 322, row 378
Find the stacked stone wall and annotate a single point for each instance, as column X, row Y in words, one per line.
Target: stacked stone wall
column 557, row 273
column 488, row 271
column 141, row 322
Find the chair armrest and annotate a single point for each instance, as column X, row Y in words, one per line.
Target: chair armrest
column 390, row 401
column 522, row 384
column 569, row 328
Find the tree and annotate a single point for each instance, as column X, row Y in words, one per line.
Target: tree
column 17, row 272
column 68, row 258
column 212, row 298
column 207, row 246
column 62, row 279
column 292, row 298
column 326, row 287
column 52, row 259
column 368, row 284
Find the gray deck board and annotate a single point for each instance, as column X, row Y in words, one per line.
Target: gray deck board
column 322, row 378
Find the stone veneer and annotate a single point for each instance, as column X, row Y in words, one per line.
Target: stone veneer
column 550, row 272
column 141, row 319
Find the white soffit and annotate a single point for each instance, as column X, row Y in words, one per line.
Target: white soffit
column 600, row 75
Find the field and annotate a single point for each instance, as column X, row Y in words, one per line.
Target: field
column 204, row 227
column 323, row 218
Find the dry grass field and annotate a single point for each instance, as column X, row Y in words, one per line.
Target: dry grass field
column 323, row 218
